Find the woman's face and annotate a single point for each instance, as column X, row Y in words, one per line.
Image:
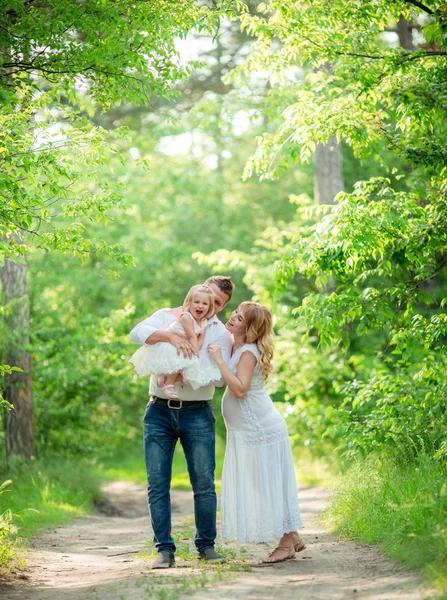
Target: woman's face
column 237, row 324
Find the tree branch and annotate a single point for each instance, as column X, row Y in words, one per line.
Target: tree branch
column 427, row 54
column 421, row 6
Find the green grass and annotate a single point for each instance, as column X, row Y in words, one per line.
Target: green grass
column 40, row 495
column 400, row 506
column 45, row 493
column 314, row 472
column 54, row 491
column 11, row 557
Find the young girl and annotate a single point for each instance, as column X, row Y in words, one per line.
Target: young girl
column 259, row 497
column 162, row 359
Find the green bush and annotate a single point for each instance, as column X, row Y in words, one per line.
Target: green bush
column 86, row 395
column 10, row 557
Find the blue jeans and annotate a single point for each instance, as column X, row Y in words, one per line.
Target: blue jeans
column 193, row 425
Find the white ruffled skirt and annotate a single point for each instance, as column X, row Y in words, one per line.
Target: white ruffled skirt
column 162, row 359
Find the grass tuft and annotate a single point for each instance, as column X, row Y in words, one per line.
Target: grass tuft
column 39, row 495
column 400, row 506
column 49, row 492
column 11, row 555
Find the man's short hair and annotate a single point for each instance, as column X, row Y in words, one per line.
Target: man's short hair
column 223, row 283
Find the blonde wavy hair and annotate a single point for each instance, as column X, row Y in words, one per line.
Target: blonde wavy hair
column 259, row 331
column 201, row 288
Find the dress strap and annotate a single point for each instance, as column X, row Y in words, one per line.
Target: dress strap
column 185, row 312
column 251, row 348
column 197, row 328
column 247, row 348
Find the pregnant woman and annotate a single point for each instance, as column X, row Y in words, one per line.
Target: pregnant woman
column 259, row 495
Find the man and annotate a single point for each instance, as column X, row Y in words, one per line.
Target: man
column 189, row 419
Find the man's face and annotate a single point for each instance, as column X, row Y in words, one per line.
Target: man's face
column 220, row 298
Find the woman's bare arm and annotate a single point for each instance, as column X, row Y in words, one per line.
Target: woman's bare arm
column 239, row 383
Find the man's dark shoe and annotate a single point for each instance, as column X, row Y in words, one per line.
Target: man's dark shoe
column 211, row 556
column 164, row 560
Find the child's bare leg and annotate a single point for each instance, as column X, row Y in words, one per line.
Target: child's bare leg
column 169, row 386
column 170, row 379
column 179, row 377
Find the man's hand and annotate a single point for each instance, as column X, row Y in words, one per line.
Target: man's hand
column 195, row 346
column 182, row 345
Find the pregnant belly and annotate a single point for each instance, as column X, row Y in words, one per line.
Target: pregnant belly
column 232, row 412
column 255, row 411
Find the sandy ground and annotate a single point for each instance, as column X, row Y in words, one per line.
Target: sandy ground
column 99, row 558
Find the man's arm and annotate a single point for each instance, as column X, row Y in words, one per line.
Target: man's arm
column 144, row 330
column 150, row 331
column 226, row 344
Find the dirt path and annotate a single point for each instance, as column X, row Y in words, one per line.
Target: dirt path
column 98, row 558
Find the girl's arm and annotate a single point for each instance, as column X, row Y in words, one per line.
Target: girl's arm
column 201, row 336
column 151, row 331
column 187, row 322
column 200, row 340
column 239, row 383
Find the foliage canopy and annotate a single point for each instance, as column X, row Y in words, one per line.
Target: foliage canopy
column 375, row 262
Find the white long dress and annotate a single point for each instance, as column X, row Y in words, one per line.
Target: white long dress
column 162, row 358
column 259, row 494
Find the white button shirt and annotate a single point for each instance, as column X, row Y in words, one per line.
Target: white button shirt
column 216, row 333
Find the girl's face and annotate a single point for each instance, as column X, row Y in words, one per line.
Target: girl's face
column 200, row 306
column 237, row 324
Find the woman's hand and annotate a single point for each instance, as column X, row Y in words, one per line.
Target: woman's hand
column 240, row 382
column 216, row 352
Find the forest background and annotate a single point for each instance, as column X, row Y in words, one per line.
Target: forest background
column 298, row 147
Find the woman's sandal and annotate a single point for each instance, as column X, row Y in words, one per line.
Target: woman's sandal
column 170, row 391
column 290, row 555
column 300, row 546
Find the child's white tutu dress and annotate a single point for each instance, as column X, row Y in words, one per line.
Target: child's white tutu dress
column 162, row 359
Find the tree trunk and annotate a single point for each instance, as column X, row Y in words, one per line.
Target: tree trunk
column 405, row 33
column 328, row 175
column 19, row 422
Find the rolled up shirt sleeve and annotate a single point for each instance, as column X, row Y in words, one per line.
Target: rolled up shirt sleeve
column 226, row 344
column 146, row 328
